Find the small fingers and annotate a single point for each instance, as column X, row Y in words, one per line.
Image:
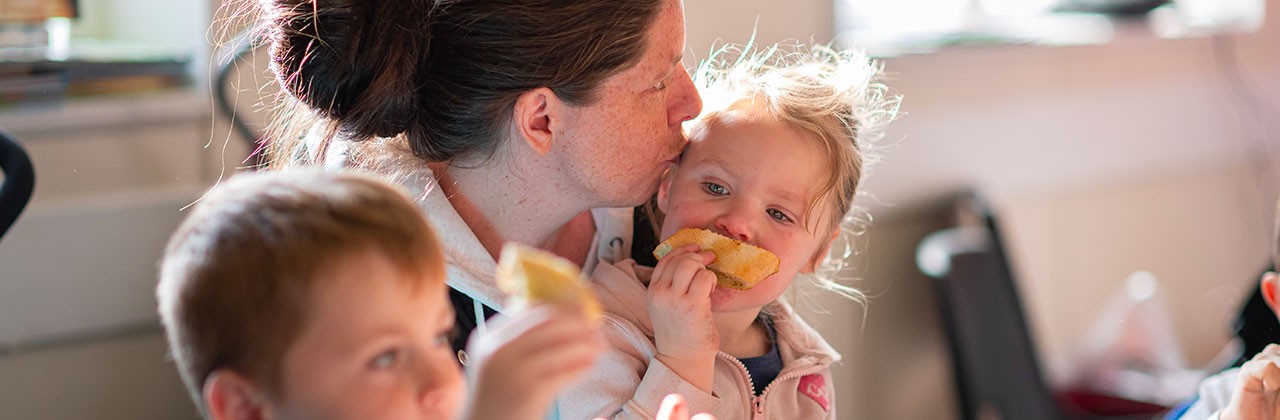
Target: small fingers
column 704, row 282
column 661, row 271
column 1270, row 378
column 685, row 270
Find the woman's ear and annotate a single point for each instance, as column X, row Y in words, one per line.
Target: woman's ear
column 1270, row 285
column 231, row 396
column 534, row 117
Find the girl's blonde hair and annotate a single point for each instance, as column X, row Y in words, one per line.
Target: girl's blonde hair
column 834, row 95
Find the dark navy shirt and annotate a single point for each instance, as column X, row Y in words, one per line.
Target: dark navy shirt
column 764, row 369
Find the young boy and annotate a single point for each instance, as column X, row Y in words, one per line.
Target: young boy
column 1251, row 391
column 321, row 295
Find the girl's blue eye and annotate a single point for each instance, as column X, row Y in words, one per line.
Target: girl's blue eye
column 714, row 188
column 778, row 215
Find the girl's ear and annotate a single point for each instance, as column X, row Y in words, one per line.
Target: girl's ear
column 231, row 396
column 535, row 116
column 822, row 253
column 1270, row 285
column 664, row 188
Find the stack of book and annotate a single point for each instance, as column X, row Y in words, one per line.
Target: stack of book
column 26, row 81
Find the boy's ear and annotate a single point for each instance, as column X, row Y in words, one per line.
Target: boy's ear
column 822, row 253
column 1270, row 285
column 231, row 396
column 535, row 116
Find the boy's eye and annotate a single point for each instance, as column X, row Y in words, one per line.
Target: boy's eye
column 714, row 188
column 385, row 360
column 778, row 215
column 444, row 337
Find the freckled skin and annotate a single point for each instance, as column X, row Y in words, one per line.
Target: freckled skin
column 619, row 146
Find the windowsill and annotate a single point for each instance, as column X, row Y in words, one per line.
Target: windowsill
column 892, row 38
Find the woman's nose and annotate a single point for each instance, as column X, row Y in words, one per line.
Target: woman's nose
column 685, row 104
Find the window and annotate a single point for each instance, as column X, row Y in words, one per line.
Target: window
column 891, row 27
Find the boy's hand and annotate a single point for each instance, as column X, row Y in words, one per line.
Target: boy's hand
column 680, row 307
column 1257, row 392
column 525, row 358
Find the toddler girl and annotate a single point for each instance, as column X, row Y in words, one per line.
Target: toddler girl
column 774, row 161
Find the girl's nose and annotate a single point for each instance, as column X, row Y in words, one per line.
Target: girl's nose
column 735, row 225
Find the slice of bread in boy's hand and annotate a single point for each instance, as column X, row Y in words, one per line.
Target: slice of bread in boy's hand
column 533, row 276
column 738, row 265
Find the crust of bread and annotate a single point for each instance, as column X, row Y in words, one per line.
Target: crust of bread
column 533, row 276
column 738, row 265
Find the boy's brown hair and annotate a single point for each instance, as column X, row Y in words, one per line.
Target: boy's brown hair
column 237, row 274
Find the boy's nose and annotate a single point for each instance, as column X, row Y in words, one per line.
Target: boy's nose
column 441, row 387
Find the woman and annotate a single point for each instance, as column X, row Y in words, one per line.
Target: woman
column 513, row 119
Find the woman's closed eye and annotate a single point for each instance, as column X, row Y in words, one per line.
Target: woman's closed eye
column 661, row 85
column 714, row 189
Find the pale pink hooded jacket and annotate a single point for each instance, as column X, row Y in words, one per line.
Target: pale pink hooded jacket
column 628, row 383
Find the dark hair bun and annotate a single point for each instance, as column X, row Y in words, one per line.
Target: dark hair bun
column 351, row 61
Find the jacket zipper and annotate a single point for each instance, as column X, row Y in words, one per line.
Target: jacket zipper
column 757, row 401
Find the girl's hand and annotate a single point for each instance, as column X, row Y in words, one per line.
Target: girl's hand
column 1257, row 392
column 679, row 303
column 525, row 358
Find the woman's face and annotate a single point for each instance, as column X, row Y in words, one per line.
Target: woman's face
column 617, row 148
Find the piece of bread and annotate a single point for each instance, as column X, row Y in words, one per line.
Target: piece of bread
column 533, row 276
column 738, row 265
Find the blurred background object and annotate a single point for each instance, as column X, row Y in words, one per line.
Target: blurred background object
column 17, row 180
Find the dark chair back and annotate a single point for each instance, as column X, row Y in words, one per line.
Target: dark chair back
column 996, row 368
column 19, row 180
